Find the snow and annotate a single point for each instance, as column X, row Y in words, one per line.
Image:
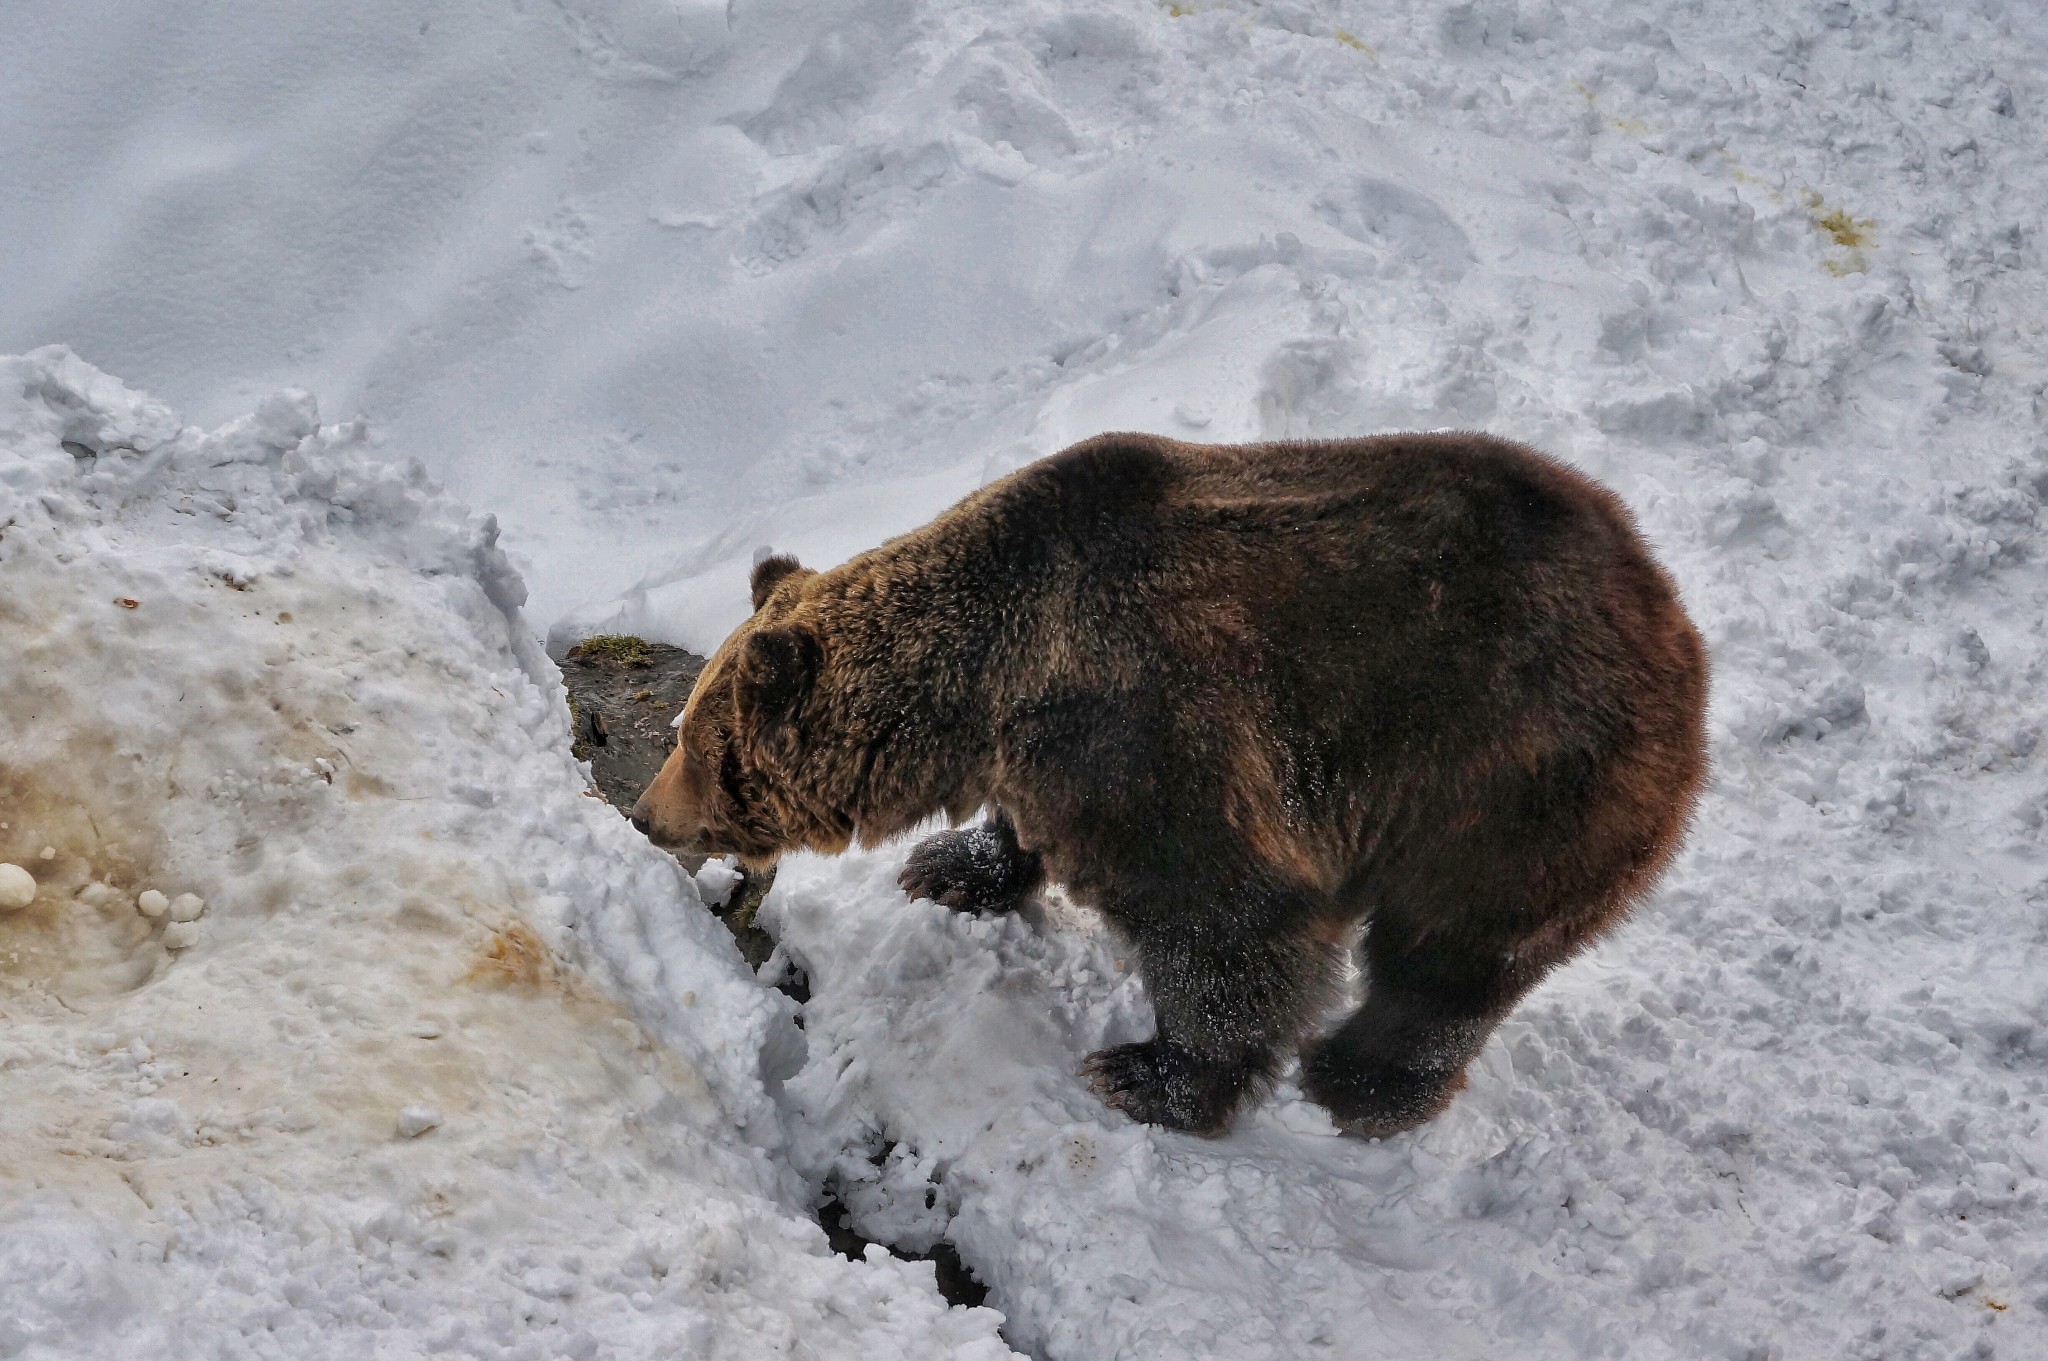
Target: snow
column 416, row 1120
column 661, row 283
column 427, row 1053
column 17, row 887
column 715, row 882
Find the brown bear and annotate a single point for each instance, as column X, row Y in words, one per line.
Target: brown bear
column 1241, row 700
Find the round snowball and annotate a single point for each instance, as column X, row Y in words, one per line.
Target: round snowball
column 715, row 882
column 413, row 1121
column 17, row 887
column 151, row 903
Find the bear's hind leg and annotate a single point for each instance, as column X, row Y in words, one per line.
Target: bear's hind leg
column 1227, row 1004
column 974, row 869
column 1430, row 1005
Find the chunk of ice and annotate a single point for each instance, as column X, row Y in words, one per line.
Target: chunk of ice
column 413, row 1121
column 17, row 887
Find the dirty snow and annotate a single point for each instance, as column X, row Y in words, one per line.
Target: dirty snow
column 427, row 1052
column 661, row 282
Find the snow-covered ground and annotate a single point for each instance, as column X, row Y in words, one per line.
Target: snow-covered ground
column 661, row 281
column 451, row 1062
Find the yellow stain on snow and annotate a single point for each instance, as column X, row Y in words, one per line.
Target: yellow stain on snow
column 1852, row 234
column 1633, row 127
column 514, row 955
column 1741, row 175
column 1350, row 39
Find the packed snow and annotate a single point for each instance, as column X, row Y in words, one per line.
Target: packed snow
column 662, row 282
column 341, row 1022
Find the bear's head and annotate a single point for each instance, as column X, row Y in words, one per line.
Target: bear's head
column 731, row 785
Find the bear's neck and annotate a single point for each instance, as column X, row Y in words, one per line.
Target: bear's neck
column 918, row 628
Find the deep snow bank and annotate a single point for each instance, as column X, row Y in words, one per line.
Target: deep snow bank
column 457, row 1063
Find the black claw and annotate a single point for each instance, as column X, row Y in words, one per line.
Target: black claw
column 1161, row 1084
column 978, row 869
column 1374, row 1100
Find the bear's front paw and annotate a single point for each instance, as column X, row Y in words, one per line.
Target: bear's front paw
column 974, row 870
column 1162, row 1084
column 1373, row 1100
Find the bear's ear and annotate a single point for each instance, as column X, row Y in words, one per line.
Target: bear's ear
column 769, row 573
column 776, row 671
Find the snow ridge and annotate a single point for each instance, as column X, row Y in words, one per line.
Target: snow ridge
column 454, row 1063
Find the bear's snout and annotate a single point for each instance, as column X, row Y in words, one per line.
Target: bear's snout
column 658, row 825
column 666, row 813
column 642, row 818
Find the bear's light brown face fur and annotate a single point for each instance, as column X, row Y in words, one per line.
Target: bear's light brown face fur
column 723, row 791
column 683, row 802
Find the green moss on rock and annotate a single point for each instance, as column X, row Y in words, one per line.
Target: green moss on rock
column 617, row 650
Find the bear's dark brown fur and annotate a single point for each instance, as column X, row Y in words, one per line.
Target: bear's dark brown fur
column 1239, row 699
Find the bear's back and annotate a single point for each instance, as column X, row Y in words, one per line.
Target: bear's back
column 1410, row 592
column 1402, row 529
